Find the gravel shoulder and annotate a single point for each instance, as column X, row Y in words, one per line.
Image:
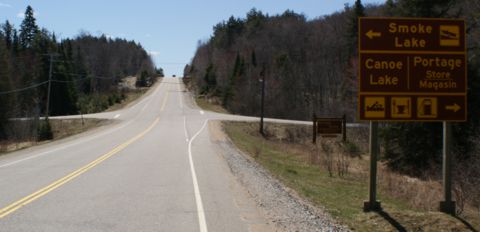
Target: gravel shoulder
column 280, row 205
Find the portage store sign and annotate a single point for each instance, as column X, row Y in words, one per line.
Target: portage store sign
column 412, row 69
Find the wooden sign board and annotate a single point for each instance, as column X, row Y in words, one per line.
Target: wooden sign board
column 329, row 126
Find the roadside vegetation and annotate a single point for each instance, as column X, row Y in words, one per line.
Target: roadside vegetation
column 334, row 175
column 85, row 74
column 310, row 67
column 59, row 129
column 207, row 104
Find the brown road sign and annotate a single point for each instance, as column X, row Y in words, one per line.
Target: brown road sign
column 412, row 34
column 407, row 63
column 412, row 107
column 329, row 126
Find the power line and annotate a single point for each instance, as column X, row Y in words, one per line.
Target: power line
column 23, row 89
column 52, row 80
column 87, row 76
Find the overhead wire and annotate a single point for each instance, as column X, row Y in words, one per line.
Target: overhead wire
column 23, row 89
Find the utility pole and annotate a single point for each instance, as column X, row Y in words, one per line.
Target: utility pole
column 262, row 104
column 49, row 87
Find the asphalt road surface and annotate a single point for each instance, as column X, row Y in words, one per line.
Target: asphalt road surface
column 156, row 169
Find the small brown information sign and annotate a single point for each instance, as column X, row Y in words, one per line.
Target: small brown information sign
column 412, row 69
column 329, row 126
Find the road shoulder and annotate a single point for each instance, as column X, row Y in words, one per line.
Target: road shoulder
column 281, row 206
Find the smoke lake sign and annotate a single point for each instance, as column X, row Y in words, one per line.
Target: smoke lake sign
column 412, row 69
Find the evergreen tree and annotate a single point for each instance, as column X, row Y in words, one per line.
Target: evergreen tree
column 5, row 85
column 358, row 11
column 63, row 98
column 390, row 8
column 28, row 29
column 238, row 69
column 425, row 8
column 15, row 42
column 8, row 33
column 143, row 80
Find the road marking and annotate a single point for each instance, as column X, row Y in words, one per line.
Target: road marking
column 34, row 196
column 116, row 116
column 180, row 95
column 201, row 112
column 145, row 106
column 149, row 97
column 165, row 101
column 67, row 146
column 198, row 198
column 185, row 128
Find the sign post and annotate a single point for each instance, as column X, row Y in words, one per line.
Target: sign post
column 411, row 70
column 372, row 204
column 447, row 206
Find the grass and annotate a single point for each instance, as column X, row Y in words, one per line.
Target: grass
column 206, row 105
column 131, row 96
column 342, row 197
column 61, row 128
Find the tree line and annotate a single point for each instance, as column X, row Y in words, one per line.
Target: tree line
column 310, row 67
column 84, row 73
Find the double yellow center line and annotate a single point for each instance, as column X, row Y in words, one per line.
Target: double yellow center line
column 32, row 197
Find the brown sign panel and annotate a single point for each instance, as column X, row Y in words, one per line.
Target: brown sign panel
column 406, row 34
column 419, row 73
column 329, row 126
column 406, row 63
column 412, row 107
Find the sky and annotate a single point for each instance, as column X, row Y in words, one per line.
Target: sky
column 168, row 30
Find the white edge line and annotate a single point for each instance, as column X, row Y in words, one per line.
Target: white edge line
column 144, row 107
column 116, row 116
column 185, row 128
column 180, row 94
column 64, row 147
column 201, row 112
column 198, row 198
column 88, row 139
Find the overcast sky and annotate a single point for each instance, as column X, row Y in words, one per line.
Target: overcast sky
column 169, row 30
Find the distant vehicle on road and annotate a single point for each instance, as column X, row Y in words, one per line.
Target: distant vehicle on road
column 174, row 75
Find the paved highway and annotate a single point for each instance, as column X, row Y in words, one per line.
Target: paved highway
column 154, row 170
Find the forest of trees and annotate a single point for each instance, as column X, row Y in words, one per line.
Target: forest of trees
column 85, row 72
column 310, row 66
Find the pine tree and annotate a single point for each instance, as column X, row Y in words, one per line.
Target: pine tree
column 15, row 42
column 390, row 8
column 238, row 70
column 5, row 85
column 425, row 8
column 63, row 96
column 358, row 11
column 28, row 29
column 8, row 33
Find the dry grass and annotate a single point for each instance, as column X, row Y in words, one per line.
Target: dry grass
column 328, row 175
column 61, row 128
column 131, row 96
column 210, row 105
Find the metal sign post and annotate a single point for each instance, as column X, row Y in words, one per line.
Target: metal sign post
column 447, row 206
column 411, row 70
column 372, row 204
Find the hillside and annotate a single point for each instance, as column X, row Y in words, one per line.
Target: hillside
column 310, row 67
